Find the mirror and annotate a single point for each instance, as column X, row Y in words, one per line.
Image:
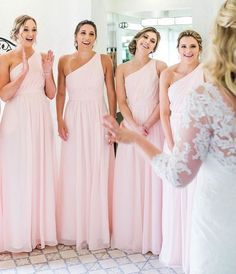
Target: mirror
column 122, row 28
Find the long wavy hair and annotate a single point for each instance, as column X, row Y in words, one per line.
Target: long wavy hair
column 220, row 66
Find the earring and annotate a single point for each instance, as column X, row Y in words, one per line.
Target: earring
column 94, row 44
column 76, row 44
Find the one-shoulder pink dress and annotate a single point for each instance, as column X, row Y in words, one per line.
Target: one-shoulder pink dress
column 137, row 194
column 27, row 165
column 177, row 202
column 87, row 162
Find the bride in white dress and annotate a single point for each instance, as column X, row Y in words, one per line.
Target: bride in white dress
column 206, row 146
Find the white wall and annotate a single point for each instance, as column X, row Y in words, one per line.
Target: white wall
column 56, row 20
column 204, row 13
column 99, row 16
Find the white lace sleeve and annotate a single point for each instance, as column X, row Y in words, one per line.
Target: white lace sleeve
column 192, row 144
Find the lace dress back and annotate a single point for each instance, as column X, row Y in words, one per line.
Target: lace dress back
column 207, row 145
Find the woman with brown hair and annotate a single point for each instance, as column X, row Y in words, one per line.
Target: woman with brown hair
column 136, row 217
column 87, row 156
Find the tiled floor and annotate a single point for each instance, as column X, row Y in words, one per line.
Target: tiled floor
column 65, row 259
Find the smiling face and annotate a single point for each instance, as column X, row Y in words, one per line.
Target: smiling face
column 188, row 49
column 27, row 33
column 86, row 37
column 146, row 43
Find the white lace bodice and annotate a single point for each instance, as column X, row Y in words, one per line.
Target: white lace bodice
column 208, row 128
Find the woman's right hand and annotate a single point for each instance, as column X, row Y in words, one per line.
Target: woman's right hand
column 119, row 134
column 62, row 130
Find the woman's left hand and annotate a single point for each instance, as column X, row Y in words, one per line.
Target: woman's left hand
column 47, row 62
column 120, row 134
column 109, row 138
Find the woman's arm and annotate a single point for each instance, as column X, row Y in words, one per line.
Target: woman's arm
column 155, row 115
column 123, row 135
column 47, row 63
column 110, row 85
column 122, row 101
column 9, row 88
column 165, row 81
column 190, row 150
column 60, row 100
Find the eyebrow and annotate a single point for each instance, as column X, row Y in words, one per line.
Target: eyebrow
column 85, row 30
column 25, row 26
column 193, row 44
column 149, row 35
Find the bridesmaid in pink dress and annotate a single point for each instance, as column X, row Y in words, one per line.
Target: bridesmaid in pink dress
column 87, row 157
column 137, row 190
column 27, row 159
column 175, row 83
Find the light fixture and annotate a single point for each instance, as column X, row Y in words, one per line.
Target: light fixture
column 166, row 21
column 183, row 20
column 149, row 22
column 130, row 26
column 123, row 25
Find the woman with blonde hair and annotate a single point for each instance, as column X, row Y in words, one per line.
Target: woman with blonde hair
column 136, row 218
column 27, row 158
column 175, row 84
column 206, row 146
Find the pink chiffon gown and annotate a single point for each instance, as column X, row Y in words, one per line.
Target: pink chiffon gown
column 137, row 190
column 87, row 162
column 27, row 165
column 177, row 202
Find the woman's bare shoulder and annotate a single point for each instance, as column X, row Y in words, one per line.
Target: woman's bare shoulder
column 8, row 57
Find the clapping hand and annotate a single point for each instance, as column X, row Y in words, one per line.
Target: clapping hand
column 47, row 62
